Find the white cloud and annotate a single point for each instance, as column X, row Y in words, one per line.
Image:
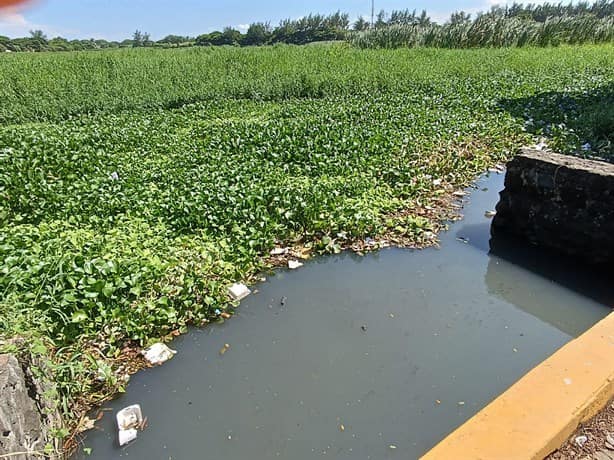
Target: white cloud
column 242, row 27
column 15, row 24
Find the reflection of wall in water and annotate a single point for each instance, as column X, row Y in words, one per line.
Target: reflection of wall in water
column 511, row 273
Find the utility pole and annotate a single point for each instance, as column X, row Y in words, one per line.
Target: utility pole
column 372, row 13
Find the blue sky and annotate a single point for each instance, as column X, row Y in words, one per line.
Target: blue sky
column 118, row 19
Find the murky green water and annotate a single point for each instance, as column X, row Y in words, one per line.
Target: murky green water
column 399, row 347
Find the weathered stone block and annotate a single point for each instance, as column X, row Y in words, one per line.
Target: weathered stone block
column 561, row 202
column 21, row 429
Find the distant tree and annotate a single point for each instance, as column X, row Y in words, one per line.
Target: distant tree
column 174, row 40
column 284, row 32
column 140, row 39
column 361, row 24
column 38, row 35
column 258, row 33
column 380, row 20
column 459, row 18
column 230, row 36
column 424, row 19
column 59, row 44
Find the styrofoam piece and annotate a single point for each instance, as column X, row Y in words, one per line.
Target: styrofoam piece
column 279, row 251
column 126, row 436
column 129, row 417
column 294, row 264
column 158, row 353
column 239, row 291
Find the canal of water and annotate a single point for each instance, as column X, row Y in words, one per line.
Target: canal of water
column 370, row 357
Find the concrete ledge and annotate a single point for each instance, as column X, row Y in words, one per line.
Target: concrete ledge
column 560, row 202
column 538, row 413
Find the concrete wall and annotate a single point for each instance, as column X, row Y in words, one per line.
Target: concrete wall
column 26, row 415
column 561, row 202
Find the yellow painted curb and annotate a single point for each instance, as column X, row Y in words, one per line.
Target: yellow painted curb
column 538, row 413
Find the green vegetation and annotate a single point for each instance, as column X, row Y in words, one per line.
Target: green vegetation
column 547, row 24
column 136, row 185
column 491, row 30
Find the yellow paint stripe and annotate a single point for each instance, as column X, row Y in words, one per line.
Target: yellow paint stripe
column 538, row 413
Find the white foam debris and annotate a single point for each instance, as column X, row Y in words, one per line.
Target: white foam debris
column 129, row 419
column 158, row 353
column 279, row 251
column 238, row 291
column 294, row 264
column 126, row 436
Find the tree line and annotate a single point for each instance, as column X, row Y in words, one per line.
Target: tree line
column 318, row 28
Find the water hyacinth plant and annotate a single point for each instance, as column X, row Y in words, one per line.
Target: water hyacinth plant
column 137, row 185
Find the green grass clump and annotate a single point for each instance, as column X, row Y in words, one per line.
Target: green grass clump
column 135, row 186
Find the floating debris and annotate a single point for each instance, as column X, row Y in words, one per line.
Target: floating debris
column 460, row 193
column 342, row 427
column 392, row 446
column 294, row 264
column 279, row 251
column 239, row 291
column 364, row 327
column 461, row 403
column 86, row 424
column 129, row 420
column 158, row 353
column 224, row 349
column 283, row 300
column 490, row 214
column 462, row 239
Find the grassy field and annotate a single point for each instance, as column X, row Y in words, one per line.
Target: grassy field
column 136, row 185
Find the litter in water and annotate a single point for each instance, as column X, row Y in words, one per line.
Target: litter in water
column 127, row 436
column 158, row 353
column 294, row 264
column 239, row 291
column 128, row 420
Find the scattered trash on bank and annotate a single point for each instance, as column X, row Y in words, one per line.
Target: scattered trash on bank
column 158, row 353
column 129, row 421
column 238, row 291
column 279, row 251
column 581, row 440
column 294, row 264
